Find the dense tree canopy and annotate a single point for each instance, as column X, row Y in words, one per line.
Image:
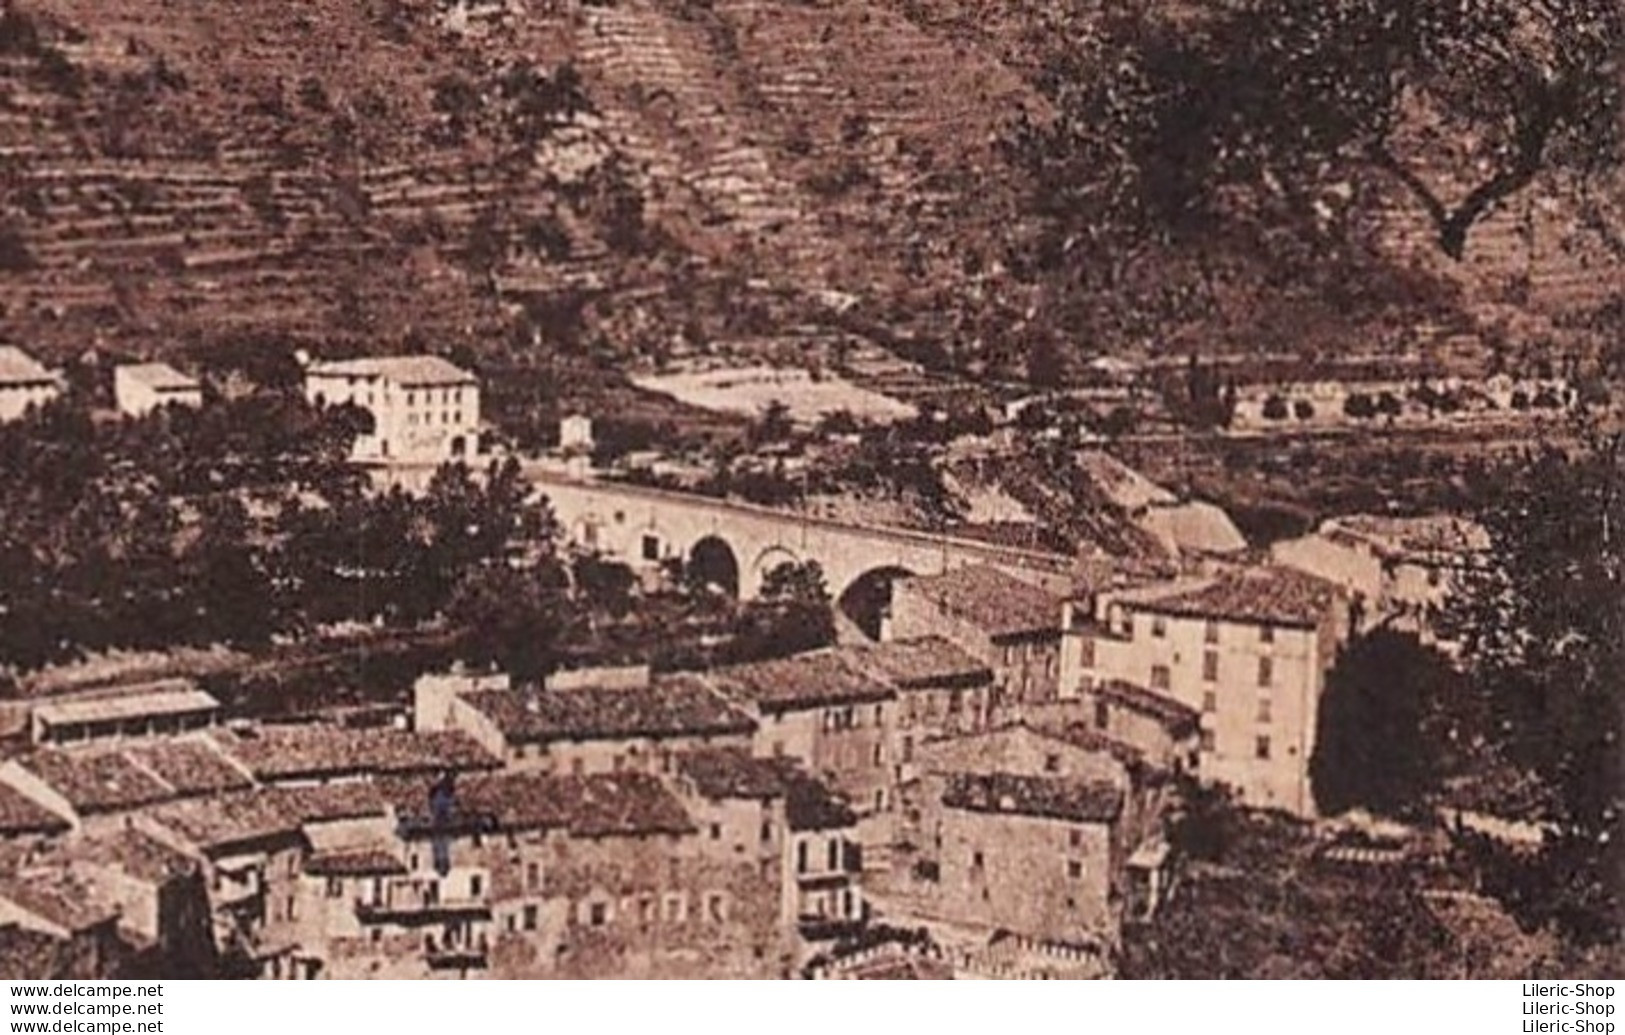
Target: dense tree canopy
column 1379, row 745
column 1164, row 123
column 1545, row 626
column 229, row 524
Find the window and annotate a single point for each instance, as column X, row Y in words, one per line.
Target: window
column 1262, row 748
column 1086, row 652
column 1052, row 763
column 578, row 766
column 955, row 703
column 716, row 831
column 1210, row 701
column 1103, row 715
column 801, row 857
column 1159, row 626
column 533, row 876
column 1074, row 838
column 335, row 887
column 651, row 548
column 976, row 860
column 834, row 854
column 676, row 906
column 1266, row 634
column 1159, row 677
column 767, row 831
column 876, row 758
column 1266, row 671
column 1210, row 666
column 476, row 885
column 908, row 749
column 1074, row 869
column 1210, row 632
column 528, row 918
column 411, row 398
column 1208, row 743
column 512, row 923
column 598, row 914
column 1263, row 709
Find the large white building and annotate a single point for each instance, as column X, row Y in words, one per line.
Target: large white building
column 140, row 388
column 24, row 382
column 424, row 409
column 1248, row 650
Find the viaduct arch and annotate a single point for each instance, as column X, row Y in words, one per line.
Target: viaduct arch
column 645, row 527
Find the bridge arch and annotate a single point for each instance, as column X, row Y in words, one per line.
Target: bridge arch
column 713, row 562
column 867, row 599
column 769, row 559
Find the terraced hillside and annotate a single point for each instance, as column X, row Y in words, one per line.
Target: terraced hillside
column 667, row 173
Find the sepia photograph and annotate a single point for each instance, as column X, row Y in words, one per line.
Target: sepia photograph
column 811, row 490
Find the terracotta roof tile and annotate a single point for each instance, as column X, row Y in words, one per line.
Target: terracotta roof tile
column 1264, row 595
column 1045, row 797
column 726, row 773
column 298, row 751
column 673, row 706
column 403, row 370
column 812, row 680
column 990, row 599
column 600, row 805
column 20, row 814
column 927, row 663
column 96, row 781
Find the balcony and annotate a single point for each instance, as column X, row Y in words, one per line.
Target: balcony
column 456, row 953
column 402, row 906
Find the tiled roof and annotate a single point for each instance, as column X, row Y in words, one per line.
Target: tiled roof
column 328, row 802
column 57, row 898
column 812, row 680
column 1080, row 735
column 136, row 853
column 997, row 603
column 600, row 805
column 172, row 697
column 96, row 781
column 674, row 706
column 1166, row 710
column 297, row 751
column 927, row 663
column 733, row 773
column 191, row 766
column 1264, row 595
column 354, row 862
column 1046, row 797
column 19, row 368
column 403, row 370
column 159, row 376
column 20, row 814
column 228, row 821
column 29, row 955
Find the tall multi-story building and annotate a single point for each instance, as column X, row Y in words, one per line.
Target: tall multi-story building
column 1249, row 649
column 424, row 409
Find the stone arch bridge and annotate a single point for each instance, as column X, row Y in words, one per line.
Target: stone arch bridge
column 645, row 527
